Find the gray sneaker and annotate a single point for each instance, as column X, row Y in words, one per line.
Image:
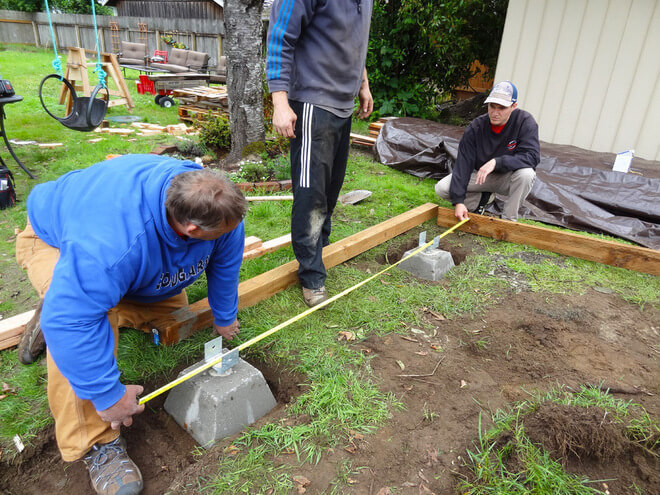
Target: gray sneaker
column 111, row 470
column 314, row 297
column 32, row 342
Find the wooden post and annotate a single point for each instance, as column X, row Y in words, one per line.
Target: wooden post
column 78, row 42
column 157, row 39
column 101, row 39
column 35, row 30
column 219, row 46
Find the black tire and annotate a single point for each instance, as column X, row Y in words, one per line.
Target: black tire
column 166, row 102
column 158, row 98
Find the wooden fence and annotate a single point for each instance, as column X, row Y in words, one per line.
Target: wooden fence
column 78, row 31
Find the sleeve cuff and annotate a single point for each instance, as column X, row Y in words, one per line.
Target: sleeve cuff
column 278, row 85
column 224, row 323
column 110, row 398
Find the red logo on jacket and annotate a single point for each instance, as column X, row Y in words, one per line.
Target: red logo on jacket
column 512, row 145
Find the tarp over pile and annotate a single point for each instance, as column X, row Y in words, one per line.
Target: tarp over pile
column 574, row 188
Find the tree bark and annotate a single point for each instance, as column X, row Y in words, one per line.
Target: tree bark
column 243, row 48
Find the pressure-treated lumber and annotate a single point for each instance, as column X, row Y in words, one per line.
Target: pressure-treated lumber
column 184, row 322
column 635, row 258
column 269, row 198
column 251, row 242
column 267, row 247
column 11, row 329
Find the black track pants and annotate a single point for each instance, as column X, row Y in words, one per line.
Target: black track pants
column 319, row 153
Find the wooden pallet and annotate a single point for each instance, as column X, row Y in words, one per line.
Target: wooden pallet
column 203, row 93
column 190, row 113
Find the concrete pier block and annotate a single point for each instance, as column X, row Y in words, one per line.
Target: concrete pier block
column 430, row 264
column 210, row 406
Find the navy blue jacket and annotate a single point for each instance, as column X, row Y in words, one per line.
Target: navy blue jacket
column 515, row 147
column 317, row 49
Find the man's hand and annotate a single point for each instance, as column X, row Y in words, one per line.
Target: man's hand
column 284, row 118
column 230, row 331
column 122, row 411
column 460, row 211
column 485, row 169
column 365, row 98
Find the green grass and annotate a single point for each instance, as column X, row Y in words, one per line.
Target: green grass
column 490, row 462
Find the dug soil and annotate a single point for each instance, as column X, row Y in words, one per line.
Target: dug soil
column 446, row 375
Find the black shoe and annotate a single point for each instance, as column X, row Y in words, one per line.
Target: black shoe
column 487, row 199
column 32, row 342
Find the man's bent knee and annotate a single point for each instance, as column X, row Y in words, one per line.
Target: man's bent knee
column 524, row 175
column 442, row 188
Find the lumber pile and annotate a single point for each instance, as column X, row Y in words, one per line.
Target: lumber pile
column 145, row 129
column 200, row 101
column 374, row 131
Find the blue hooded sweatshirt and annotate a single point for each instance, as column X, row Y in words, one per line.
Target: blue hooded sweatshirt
column 110, row 225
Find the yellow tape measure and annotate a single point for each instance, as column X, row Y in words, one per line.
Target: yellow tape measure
column 288, row 322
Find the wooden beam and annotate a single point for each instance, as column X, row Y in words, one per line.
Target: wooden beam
column 184, row 322
column 267, row 247
column 11, row 329
column 635, row 258
column 251, row 243
column 269, row 198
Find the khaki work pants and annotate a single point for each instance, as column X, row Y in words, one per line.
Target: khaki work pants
column 514, row 185
column 77, row 425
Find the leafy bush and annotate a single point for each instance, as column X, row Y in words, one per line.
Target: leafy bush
column 188, row 147
column 421, row 49
column 214, row 132
column 253, row 172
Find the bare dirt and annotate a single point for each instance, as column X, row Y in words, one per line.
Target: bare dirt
column 466, row 366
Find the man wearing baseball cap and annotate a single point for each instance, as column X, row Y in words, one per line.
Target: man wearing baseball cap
column 498, row 154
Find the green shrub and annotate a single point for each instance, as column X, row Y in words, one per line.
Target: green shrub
column 253, row 172
column 279, row 167
column 214, row 132
column 189, row 147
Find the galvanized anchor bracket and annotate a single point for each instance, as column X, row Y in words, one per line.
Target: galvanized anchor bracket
column 213, row 350
column 422, row 240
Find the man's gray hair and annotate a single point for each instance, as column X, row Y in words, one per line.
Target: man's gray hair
column 205, row 198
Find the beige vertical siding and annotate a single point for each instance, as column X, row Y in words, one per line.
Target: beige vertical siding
column 588, row 70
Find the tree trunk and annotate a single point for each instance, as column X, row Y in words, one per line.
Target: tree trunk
column 243, row 48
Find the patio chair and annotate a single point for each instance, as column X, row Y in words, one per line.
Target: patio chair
column 133, row 54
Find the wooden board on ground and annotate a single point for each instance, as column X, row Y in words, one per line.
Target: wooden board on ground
column 12, row 328
column 186, row 321
column 612, row 253
column 362, row 139
column 269, row 198
column 267, row 247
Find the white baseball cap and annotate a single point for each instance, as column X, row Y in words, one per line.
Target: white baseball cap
column 503, row 93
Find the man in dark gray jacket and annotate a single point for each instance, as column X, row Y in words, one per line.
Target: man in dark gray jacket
column 498, row 154
column 315, row 68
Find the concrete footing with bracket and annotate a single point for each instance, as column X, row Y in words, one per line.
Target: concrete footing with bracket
column 211, row 406
column 430, row 264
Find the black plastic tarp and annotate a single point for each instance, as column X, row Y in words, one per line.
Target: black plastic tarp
column 574, row 188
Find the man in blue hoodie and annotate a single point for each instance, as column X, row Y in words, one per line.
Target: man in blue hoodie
column 111, row 246
column 315, row 68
